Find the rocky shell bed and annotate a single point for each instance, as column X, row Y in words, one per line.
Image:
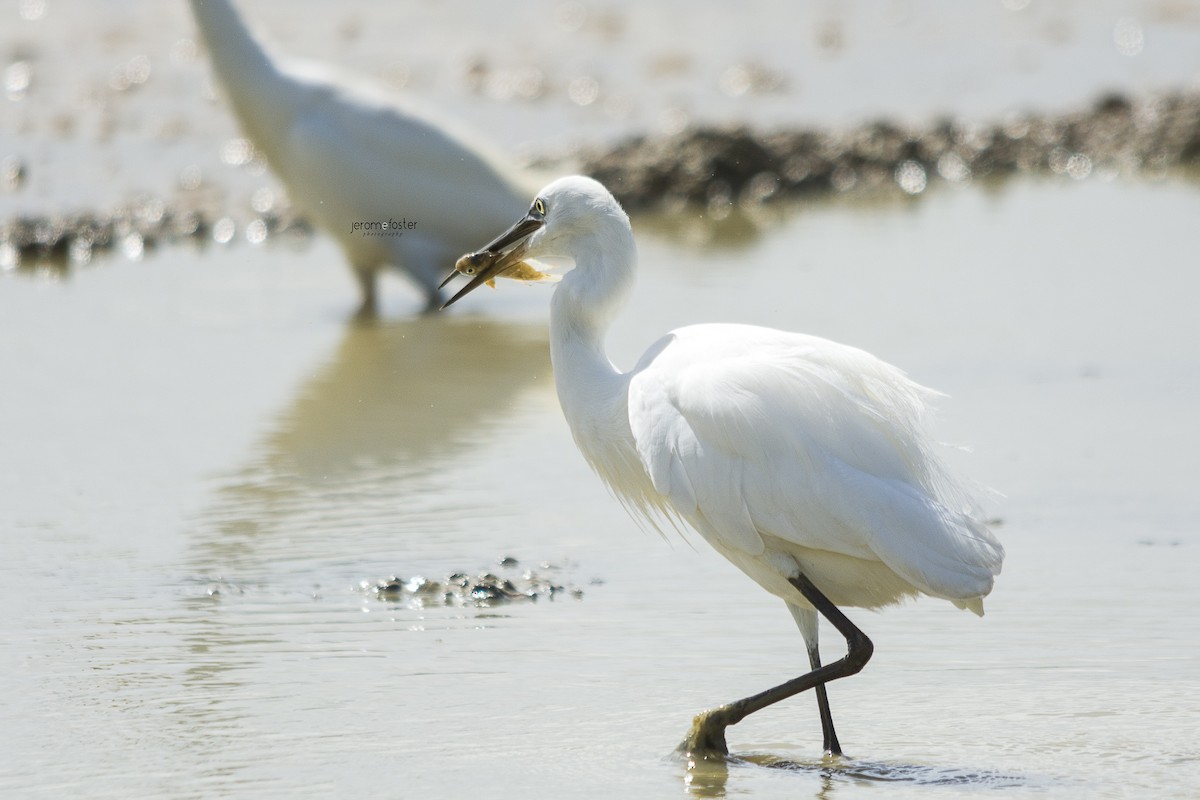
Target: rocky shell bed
column 481, row 590
column 503, row 583
column 716, row 169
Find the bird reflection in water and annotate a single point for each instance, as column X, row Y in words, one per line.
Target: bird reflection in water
column 366, row 437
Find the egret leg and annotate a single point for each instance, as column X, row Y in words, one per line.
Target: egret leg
column 806, row 620
column 426, row 261
column 368, row 308
column 828, row 734
column 434, row 302
column 706, row 739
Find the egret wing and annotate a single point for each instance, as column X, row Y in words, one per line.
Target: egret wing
column 751, row 431
column 701, row 478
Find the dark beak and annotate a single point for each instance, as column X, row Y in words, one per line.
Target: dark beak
column 501, row 253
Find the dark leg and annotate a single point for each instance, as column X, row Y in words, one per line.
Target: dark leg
column 807, row 620
column 367, row 292
column 707, row 736
column 827, row 732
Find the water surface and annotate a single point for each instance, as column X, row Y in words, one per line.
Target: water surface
column 204, row 459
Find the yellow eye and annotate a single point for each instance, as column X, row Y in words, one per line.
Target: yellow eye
column 539, row 206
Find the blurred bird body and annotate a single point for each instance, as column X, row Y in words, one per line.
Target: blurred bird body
column 352, row 153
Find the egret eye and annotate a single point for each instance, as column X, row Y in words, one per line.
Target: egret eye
column 539, row 206
column 468, row 270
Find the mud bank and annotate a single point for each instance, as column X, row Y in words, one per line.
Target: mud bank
column 714, row 169
column 717, row 167
column 60, row 242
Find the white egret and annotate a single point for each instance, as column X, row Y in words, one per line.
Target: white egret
column 802, row 461
column 351, row 153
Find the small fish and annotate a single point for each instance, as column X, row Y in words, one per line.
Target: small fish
column 524, row 271
column 471, row 263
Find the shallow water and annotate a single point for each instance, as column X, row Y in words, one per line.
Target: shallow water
column 202, row 460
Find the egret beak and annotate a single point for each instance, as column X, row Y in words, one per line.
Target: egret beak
column 501, row 254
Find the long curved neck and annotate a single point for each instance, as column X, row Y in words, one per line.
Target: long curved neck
column 591, row 389
column 257, row 89
column 585, row 303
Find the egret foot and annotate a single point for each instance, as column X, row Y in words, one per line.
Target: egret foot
column 706, row 739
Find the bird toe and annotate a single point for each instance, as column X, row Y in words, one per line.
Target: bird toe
column 705, row 741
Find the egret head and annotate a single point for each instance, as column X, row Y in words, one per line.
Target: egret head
column 564, row 213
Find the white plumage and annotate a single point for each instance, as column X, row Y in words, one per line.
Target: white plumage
column 774, row 444
column 791, row 455
column 349, row 152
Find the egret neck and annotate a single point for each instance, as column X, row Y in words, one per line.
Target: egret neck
column 253, row 84
column 591, row 390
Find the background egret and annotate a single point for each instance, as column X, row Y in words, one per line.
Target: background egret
column 802, row 461
column 352, row 153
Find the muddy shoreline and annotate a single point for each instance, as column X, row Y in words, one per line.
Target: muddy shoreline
column 714, row 167
column 713, row 170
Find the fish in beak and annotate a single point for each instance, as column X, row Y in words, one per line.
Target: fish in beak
column 502, row 257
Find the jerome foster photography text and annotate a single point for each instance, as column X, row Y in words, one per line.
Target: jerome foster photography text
column 388, row 227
